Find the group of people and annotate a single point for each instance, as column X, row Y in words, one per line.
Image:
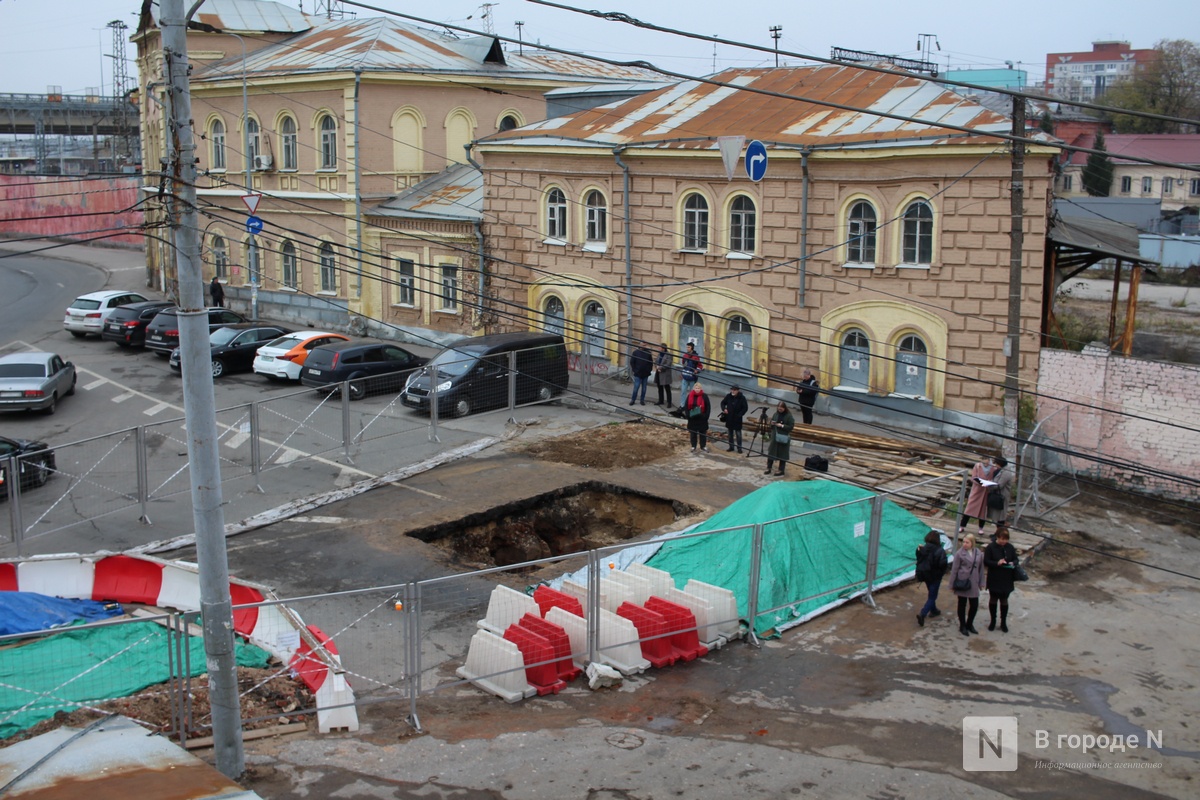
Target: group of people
column 696, row 408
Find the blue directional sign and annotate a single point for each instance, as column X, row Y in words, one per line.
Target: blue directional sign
column 756, row 161
column 254, row 225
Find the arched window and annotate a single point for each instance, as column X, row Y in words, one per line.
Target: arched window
column 216, row 143
column 287, row 143
column 855, row 361
column 595, row 327
column 739, row 341
column 554, row 316
column 328, row 267
column 556, row 214
column 220, row 257
column 287, row 255
column 743, row 224
column 912, row 362
column 695, row 222
column 860, row 226
column 328, row 128
column 253, row 143
column 597, row 217
column 691, row 329
column 508, row 122
column 918, row 234
column 253, row 261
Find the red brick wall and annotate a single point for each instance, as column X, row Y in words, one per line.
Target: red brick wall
column 102, row 210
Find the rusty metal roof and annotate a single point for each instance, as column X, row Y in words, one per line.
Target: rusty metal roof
column 700, row 112
column 455, row 193
column 382, row 44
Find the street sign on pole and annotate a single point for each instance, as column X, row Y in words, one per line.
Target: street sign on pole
column 251, row 201
column 254, row 225
column 756, row 161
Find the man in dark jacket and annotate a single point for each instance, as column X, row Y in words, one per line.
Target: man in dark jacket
column 807, row 389
column 733, row 409
column 931, row 566
column 218, row 292
column 641, row 364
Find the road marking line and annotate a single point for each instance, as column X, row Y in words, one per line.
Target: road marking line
column 237, row 440
column 158, row 409
column 121, row 398
column 88, row 387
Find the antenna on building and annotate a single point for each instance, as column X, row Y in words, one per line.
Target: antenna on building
column 520, row 40
column 331, row 9
column 121, row 84
column 776, row 32
column 488, row 27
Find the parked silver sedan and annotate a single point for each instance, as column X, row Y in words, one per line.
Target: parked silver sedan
column 34, row 381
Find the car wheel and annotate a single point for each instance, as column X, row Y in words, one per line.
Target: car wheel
column 74, row 380
column 544, row 393
column 462, row 407
column 41, row 473
column 53, row 405
column 218, row 368
column 78, row 334
column 357, row 390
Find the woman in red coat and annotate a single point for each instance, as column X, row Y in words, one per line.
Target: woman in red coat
column 977, row 500
column 696, row 409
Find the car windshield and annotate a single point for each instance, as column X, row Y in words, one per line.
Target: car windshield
column 453, row 363
column 285, row 342
column 22, row 371
column 85, row 305
column 222, row 336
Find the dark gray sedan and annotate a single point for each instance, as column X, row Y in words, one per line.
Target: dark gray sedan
column 34, row 381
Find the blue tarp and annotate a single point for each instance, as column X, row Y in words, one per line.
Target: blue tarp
column 23, row 612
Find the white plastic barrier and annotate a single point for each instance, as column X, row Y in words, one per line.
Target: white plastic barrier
column 335, row 704
column 496, row 665
column 706, row 627
column 660, row 580
column 59, row 577
column 637, row 590
column 619, row 644
column 576, row 628
column 724, row 613
column 613, row 593
column 506, row 607
column 579, row 592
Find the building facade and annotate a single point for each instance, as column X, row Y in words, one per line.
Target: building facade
column 1086, row 75
column 1176, row 187
column 875, row 249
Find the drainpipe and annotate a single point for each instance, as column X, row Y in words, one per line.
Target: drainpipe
column 478, row 232
column 628, row 247
column 803, row 226
column 358, row 188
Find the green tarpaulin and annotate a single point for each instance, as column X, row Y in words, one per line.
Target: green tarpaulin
column 811, row 558
column 80, row 667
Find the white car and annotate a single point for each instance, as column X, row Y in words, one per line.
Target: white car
column 283, row 358
column 88, row 312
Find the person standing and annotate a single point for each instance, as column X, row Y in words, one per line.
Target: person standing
column 641, row 364
column 1000, row 558
column 697, row 409
column 966, row 579
column 997, row 500
column 690, row 369
column 931, row 568
column 733, row 409
column 977, row 499
column 807, row 390
column 779, row 445
column 662, row 375
column 218, row 292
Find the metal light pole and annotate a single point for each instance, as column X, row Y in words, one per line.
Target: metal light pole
column 200, row 405
column 252, row 244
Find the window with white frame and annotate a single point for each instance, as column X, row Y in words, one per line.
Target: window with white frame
column 1147, row 185
column 917, row 246
column 1194, row 191
column 406, row 277
column 327, row 261
column 912, row 358
column 861, row 228
column 556, row 214
column 216, row 142
column 449, row 287
column 554, row 316
column 1068, row 181
column 287, row 254
column 253, row 143
column 743, row 225
column 220, row 257
column 1126, row 184
column 597, row 217
column 288, row 144
column 328, row 128
column 1168, row 186
column 695, row 222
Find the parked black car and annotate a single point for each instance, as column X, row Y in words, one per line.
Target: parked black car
column 126, row 325
column 162, row 334
column 369, row 365
column 35, row 469
column 234, row 346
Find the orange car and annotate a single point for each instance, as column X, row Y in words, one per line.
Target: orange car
column 282, row 358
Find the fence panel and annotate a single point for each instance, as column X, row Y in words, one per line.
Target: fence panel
column 299, row 425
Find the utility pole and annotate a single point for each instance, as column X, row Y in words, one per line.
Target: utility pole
column 776, row 32
column 121, row 87
column 199, row 403
column 1012, row 342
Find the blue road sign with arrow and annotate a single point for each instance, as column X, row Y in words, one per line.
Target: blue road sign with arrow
column 254, row 225
column 756, row 160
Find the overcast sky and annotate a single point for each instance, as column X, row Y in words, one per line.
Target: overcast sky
column 66, row 42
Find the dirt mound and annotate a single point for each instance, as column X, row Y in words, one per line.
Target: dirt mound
column 621, row 445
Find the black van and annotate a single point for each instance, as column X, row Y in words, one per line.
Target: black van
column 473, row 374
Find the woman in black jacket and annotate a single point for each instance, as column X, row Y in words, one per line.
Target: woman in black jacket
column 1000, row 558
column 931, row 567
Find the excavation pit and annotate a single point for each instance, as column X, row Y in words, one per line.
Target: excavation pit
column 572, row 519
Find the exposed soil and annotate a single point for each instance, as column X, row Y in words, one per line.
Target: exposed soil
column 621, row 445
column 268, row 699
